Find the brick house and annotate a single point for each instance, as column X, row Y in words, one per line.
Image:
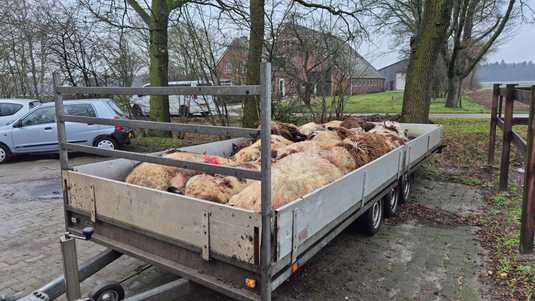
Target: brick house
column 306, row 63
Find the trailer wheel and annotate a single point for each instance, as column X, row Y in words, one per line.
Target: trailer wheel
column 370, row 222
column 107, row 291
column 406, row 187
column 391, row 202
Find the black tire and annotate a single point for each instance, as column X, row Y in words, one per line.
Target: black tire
column 105, row 142
column 405, row 187
column 370, row 222
column 136, row 111
column 391, row 202
column 107, row 290
column 5, row 153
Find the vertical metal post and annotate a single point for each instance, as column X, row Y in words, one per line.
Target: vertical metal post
column 70, row 268
column 500, row 103
column 507, row 137
column 493, row 121
column 266, row 210
column 60, row 112
column 527, row 225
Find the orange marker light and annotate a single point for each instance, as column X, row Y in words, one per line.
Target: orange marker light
column 250, row 283
column 295, row 267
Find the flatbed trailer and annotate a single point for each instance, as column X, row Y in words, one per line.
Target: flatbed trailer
column 240, row 253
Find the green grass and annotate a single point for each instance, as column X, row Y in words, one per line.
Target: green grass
column 391, row 101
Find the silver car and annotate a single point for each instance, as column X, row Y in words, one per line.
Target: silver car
column 12, row 109
column 36, row 132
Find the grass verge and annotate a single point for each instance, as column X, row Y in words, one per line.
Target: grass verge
column 391, row 102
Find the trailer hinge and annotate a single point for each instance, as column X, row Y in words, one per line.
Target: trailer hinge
column 93, row 203
column 295, row 235
column 205, row 234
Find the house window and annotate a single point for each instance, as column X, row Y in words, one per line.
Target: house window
column 228, row 67
column 282, row 87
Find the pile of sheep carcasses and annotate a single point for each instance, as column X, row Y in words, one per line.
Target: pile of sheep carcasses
column 305, row 158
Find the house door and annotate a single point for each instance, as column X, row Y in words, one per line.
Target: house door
column 400, row 81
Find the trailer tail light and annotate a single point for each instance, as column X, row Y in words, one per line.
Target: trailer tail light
column 118, row 128
column 295, row 267
column 250, row 282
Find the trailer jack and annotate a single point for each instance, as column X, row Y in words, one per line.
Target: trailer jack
column 74, row 275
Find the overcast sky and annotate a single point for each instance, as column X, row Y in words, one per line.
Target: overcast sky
column 517, row 48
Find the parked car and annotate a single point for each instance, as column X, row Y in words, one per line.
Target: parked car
column 36, row 131
column 12, row 109
column 179, row 105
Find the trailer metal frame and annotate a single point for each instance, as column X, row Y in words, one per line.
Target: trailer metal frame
column 205, row 253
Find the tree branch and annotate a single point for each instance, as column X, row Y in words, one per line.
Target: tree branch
column 491, row 40
column 140, row 11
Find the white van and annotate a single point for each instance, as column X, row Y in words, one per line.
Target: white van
column 179, row 105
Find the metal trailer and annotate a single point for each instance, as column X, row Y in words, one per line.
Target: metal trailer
column 240, row 253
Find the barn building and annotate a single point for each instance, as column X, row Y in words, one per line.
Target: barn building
column 395, row 75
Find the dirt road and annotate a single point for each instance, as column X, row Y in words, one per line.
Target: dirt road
column 407, row 260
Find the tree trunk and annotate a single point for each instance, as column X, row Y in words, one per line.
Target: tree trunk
column 251, row 105
column 159, row 62
column 455, row 83
column 424, row 53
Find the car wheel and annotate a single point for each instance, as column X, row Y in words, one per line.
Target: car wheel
column 370, row 222
column 391, row 202
column 106, row 143
column 4, row 153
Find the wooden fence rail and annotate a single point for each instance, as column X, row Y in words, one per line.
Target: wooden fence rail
column 505, row 122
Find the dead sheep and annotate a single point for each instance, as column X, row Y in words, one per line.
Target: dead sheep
column 333, row 124
column 252, row 152
column 292, row 177
column 356, row 122
column 163, row 177
column 393, row 131
column 287, row 130
column 325, row 138
column 217, row 188
column 308, row 128
column 298, row 147
column 375, row 144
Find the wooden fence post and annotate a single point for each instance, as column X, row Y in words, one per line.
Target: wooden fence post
column 528, row 199
column 507, row 137
column 493, row 117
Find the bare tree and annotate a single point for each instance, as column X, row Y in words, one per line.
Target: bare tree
column 476, row 26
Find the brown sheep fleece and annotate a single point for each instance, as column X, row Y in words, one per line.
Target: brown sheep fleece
column 356, row 122
column 375, row 144
column 287, row 130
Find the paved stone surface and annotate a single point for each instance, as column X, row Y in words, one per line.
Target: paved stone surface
column 451, row 197
column 31, row 222
column 402, row 262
